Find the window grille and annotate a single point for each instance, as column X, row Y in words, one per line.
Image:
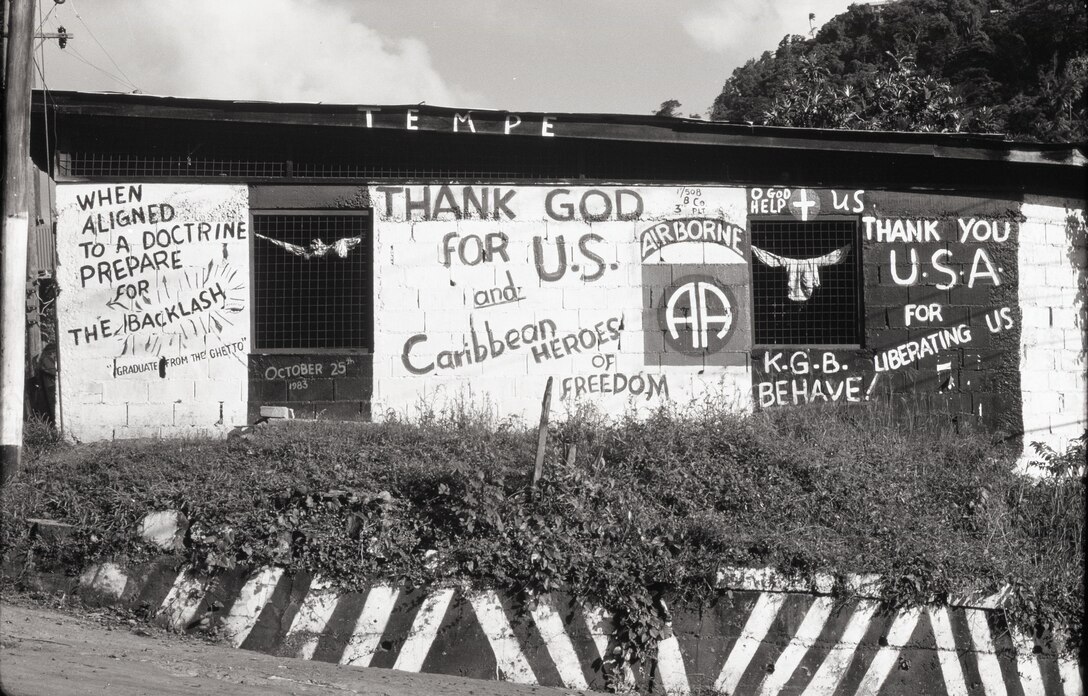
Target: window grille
column 312, row 285
column 187, row 150
column 94, row 164
column 806, row 282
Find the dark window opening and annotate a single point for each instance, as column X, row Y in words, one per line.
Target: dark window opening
column 805, row 283
column 312, row 281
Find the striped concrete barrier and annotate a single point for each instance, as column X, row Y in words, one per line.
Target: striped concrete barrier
column 765, row 635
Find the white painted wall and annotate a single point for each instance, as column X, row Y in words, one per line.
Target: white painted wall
column 116, row 327
column 1054, row 345
column 433, row 302
column 419, row 291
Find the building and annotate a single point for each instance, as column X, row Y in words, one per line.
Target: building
column 217, row 260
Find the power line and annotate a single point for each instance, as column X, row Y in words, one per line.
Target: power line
column 41, row 71
column 74, row 53
column 45, row 110
column 41, row 45
column 45, row 100
column 80, row 57
column 47, row 16
column 95, row 38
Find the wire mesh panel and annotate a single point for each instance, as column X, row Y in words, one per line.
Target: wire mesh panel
column 805, row 283
column 92, row 164
column 202, row 149
column 312, row 281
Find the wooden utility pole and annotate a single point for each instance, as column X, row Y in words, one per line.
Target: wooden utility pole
column 13, row 242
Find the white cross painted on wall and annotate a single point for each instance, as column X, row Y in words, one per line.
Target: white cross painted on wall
column 804, row 204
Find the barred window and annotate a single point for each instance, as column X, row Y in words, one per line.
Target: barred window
column 312, row 280
column 806, row 282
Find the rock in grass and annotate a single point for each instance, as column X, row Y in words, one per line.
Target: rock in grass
column 165, row 529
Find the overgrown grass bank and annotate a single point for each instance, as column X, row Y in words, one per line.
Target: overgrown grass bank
column 644, row 508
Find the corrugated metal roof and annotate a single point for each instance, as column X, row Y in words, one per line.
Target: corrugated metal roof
column 523, row 124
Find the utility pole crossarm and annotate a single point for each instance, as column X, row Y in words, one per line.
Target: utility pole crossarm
column 62, row 35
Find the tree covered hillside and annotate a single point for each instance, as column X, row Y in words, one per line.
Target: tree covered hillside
column 1004, row 66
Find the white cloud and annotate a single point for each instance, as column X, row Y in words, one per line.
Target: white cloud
column 742, row 27
column 271, row 50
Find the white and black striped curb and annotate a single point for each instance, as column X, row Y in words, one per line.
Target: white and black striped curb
column 764, row 637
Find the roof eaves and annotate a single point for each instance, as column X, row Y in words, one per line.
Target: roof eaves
column 603, row 126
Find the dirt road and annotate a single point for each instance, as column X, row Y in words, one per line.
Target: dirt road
column 49, row 653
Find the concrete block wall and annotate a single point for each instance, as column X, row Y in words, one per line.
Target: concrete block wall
column 483, row 292
column 333, row 386
column 942, row 315
column 153, row 311
column 629, row 297
column 969, row 275
column 1054, row 342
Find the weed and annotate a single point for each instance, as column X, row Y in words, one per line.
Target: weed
column 645, row 508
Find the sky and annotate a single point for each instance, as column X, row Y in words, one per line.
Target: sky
column 609, row 56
